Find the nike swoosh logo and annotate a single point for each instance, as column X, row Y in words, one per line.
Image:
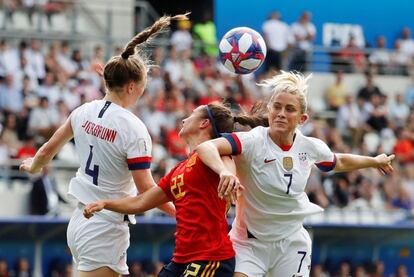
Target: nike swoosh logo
column 269, row 161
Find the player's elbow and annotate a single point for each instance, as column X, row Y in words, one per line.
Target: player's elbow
column 144, row 186
column 136, row 210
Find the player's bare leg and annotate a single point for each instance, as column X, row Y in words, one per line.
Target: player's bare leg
column 238, row 274
column 100, row 272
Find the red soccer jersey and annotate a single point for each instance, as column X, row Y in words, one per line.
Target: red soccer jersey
column 202, row 229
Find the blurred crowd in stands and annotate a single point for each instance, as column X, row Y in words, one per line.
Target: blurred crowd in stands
column 44, row 7
column 40, row 84
column 291, row 46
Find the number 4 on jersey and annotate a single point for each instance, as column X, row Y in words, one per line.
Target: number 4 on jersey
column 92, row 172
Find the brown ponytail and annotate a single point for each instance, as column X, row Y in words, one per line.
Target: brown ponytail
column 224, row 120
column 128, row 67
column 251, row 121
column 158, row 26
column 256, row 117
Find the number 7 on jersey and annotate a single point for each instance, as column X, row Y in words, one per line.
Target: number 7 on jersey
column 289, row 175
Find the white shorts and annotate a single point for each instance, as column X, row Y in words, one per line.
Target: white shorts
column 97, row 243
column 287, row 257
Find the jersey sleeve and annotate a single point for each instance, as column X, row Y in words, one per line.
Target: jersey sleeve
column 326, row 159
column 138, row 147
column 241, row 142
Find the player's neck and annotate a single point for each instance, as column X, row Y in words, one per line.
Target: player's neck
column 195, row 140
column 114, row 98
column 282, row 139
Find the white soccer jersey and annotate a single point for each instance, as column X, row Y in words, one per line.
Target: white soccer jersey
column 110, row 141
column 274, row 203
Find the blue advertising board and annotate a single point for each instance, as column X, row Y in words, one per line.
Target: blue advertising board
column 384, row 17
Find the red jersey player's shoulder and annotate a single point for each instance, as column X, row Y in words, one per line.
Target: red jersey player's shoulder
column 193, row 160
column 165, row 181
column 178, row 165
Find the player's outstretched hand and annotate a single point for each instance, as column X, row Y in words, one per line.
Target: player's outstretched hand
column 26, row 166
column 229, row 183
column 384, row 163
column 92, row 208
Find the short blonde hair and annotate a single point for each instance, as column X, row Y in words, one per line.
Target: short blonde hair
column 288, row 82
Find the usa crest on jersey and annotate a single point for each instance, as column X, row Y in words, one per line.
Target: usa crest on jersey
column 303, row 159
column 288, row 163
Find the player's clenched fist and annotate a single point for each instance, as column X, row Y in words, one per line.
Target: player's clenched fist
column 92, row 208
column 384, row 163
column 27, row 166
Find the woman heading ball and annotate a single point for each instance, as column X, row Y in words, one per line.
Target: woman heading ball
column 274, row 164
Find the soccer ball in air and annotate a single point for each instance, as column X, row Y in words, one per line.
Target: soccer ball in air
column 242, row 50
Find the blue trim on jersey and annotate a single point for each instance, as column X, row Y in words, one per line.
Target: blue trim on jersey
column 234, row 147
column 327, row 166
column 139, row 166
column 103, row 110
